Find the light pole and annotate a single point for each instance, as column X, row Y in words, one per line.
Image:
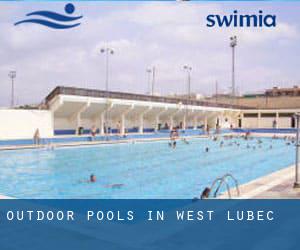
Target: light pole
column 149, row 72
column 12, row 75
column 233, row 44
column 188, row 69
column 153, row 71
column 153, row 79
column 217, row 91
column 107, row 51
column 297, row 182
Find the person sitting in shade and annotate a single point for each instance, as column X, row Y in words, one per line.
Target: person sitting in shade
column 93, row 132
column 36, row 137
column 119, row 127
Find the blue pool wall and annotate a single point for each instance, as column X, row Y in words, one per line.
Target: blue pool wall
column 148, row 133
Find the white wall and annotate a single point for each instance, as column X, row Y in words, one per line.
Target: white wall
column 284, row 122
column 64, row 123
column 249, row 122
column 22, row 124
column 266, row 122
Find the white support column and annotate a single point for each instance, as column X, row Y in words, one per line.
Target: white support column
column 157, row 118
column 242, row 119
column 78, row 122
column 171, row 122
column 122, row 132
column 77, row 116
column 171, row 117
column 100, row 119
column 277, row 120
column 141, row 120
column 156, row 122
column 184, row 122
column 205, row 123
column 258, row 119
column 123, row 119
column 195, row 121
column 101, row 127
column 141, row 123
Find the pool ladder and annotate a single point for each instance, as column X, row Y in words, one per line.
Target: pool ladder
column 223, row 180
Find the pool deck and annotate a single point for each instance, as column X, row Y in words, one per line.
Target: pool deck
column 277, row 185
column 98, row 142
column 5, row 197
column 130, row 140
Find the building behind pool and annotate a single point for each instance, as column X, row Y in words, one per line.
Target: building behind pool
column 72, row 111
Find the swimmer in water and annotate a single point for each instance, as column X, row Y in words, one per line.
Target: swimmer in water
column 185, row 141
column 205, row 193
column 92, row 178
column 174, row 144
column 117, row 185
column 207, row 149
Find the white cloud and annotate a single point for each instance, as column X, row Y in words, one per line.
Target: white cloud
column 167, row 35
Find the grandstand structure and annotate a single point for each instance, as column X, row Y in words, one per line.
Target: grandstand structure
column 75, row 108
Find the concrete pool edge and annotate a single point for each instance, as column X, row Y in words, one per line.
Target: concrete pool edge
column 276, row 185
column 91, row 143
column 4, row 197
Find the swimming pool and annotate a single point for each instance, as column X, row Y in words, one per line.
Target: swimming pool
column 147, row 170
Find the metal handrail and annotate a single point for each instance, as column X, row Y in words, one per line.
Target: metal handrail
column 220, row 181
column 235, row 182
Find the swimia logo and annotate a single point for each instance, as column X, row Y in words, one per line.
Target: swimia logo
column 52, row 19
column 239, row 20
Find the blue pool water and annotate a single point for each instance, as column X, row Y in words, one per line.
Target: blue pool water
column 147, row 170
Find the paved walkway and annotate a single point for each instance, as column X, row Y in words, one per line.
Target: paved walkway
column 278, row 185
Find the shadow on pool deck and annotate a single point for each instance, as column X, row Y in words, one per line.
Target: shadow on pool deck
column 278, row 185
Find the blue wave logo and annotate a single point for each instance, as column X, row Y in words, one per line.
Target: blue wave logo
column 55, row 20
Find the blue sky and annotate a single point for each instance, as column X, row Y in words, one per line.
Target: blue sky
column 167, row 35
